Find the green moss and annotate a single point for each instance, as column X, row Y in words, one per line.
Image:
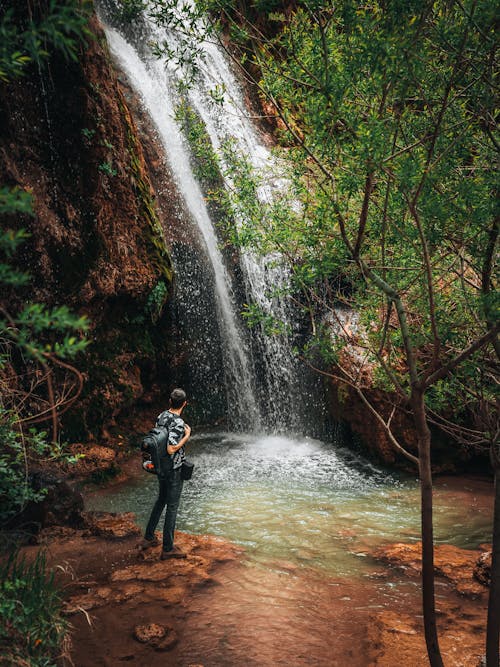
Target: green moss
column 205, row 161
column 207, row 168
column 159, row 254
column 156, row 301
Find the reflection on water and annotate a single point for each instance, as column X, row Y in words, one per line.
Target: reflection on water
column 302, row 501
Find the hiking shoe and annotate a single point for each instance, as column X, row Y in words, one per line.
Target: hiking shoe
column 147, row 544
column 175, row 552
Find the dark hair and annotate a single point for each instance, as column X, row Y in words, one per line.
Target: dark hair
column 177, row 398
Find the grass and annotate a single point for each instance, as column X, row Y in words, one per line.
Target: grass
column 33, row 633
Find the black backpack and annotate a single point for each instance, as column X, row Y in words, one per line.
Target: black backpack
column 155, row 444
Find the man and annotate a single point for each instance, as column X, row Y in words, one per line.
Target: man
column 169, row 477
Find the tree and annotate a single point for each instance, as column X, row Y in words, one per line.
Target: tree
column 385, row 111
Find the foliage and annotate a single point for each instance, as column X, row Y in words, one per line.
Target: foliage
column 386, row 111
column 18, row 453
column 107, row 168
column 15, row 490
column 129, row 10
column 88, row 133
column 254, row 314
column 33, row 341
column 156, row 300
column 206, row 164
column 32, row 628
column 37, row 333
column 30, row 329
column 31, row 36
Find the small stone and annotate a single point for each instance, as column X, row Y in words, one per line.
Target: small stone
column 147, row 633
column 482, row 568
column 159, row 637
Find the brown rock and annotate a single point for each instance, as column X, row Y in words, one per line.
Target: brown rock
column 148, row 633
column 100, row 597
column 170, row 595
column 93, row 459
column 110, row 525
column 160, row 637
column 397, row 638
column 453, row 563
column 61, row 504
column 482, row 569
column 95, row 240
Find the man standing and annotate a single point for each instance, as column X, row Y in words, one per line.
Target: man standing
column 169, row 477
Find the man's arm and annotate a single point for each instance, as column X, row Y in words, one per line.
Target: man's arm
column 171, row 448
column 178, row 436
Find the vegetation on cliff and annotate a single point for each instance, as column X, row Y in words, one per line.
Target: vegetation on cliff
column 82, row 259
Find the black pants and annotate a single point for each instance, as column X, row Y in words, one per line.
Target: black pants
column 169, row 494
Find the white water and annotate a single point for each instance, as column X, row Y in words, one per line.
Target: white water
column 264, row 275
column 156, row 87
column 270, row 392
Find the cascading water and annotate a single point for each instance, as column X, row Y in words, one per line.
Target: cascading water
column 261, row 374
column 265, row 276
column 157, row 89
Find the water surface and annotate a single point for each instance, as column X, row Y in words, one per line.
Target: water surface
column 305, row 502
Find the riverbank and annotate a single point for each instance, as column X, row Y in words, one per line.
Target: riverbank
column 216, row 608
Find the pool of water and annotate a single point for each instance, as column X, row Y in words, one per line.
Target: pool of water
column 305, row 502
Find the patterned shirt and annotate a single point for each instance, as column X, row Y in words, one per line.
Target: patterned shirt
column 175, row 425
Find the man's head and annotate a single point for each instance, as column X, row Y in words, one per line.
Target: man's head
column 177, row 399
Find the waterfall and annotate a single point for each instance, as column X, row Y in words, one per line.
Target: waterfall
column 263, row 386
column 265, row 276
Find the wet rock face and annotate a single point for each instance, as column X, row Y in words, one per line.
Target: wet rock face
column 459, row 566
column 96, row 242
column 346, row 406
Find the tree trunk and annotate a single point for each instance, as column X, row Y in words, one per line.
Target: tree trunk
column 493, row 625
column 428, row 596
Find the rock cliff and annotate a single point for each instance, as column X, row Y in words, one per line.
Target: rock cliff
column 96, row 242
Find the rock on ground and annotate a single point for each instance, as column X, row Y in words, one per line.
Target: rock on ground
column 458, row 566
